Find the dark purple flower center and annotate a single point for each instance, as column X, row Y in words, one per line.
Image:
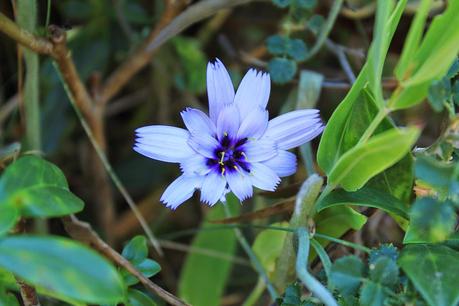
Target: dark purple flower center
column 229, row 156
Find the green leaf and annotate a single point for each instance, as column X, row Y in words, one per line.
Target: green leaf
column 439, row 93
column 430, row 61
column 213, row 272
column 453, row 70
column 136, row 250
column 385, row 250
column 413, row 39
column 138, row 298
column 363, row 162
column 434, row 271
column 282, row 3
column 291, row 296
column 277, row 44
column 346, row 274
column 64, row 267
column 9, row 216
column 372, row 294
column 268, row 246
column 315, row 23
column 384, row 271
column 282, row 70
column 7, row 299
column 455, row 92
column 147, row 267
column 306, row 4
column 437, row 174
column 296, row 48
column 431, row 221
column 366, row 196
column 38, row 189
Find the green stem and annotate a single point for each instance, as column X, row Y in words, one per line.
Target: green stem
column 316, row 288
column 119, row 185
column 344, row 242
column 253, row 258
column 326, row 28
column 373, row 125
column 256, row 293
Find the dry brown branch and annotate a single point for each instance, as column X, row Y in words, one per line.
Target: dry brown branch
column 84, row 233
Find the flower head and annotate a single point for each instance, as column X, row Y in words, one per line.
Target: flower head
column 235, row 147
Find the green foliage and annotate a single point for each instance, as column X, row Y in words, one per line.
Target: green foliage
column 136, row 251
column 385, row 250
column 346, row 274
column 282, row 3
column 434, row 270
column 7, row 299
column 372, row 294
column 282, row 70
column 315, row 24
column 296, row 49
column 431, row 221
column 67, row 269
column 213, row 272
column 384, row 271
column 292, row 297
column 268, row 246
column 277, row 44
column 443, row 176
column 364, row 197
column 36, row 188
column 138, row 298
column 362, row 162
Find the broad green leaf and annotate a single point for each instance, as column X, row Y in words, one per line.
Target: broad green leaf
column 439, row 175
column 138, row 298
column 372, row 294
column 409, row 96
column 213, row 272
column 282, row 70
column 64, row 267
column 268, row 246
column 366, row 196
column 432, row 61
column 385, row 250
column 363, row 162
column 136, row 250
column 434, row 271
column 7, row 299
column 413, row 39
column 296, row 49
column 8, row 218
column 431, row 221
column 277, row 44
column 384, row 271
column 38, row 189
column 346, row 274
column 330, row 147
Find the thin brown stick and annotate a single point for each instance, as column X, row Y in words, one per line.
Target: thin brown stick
column 140, row 58
column 84, row 233
column 28, row 293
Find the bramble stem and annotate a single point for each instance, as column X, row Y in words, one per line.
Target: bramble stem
column 316, row 288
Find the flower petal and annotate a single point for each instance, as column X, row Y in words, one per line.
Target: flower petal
column 195, row 165
column 284, row 164
column 220, row 89
column 260, row 150
column 213, row 188
column 254, row 124
column 197, row 122
column 165, row 143
column 253, row 92
column 228, row 122
column 204, row 145
column 180, row 190
column 240, row 184
column 263, row 177
column 294, row 128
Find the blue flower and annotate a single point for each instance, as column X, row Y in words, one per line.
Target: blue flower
column 235, row 147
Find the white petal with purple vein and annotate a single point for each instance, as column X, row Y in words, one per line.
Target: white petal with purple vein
column 259, row 150
column 254, row 124
column 284, row 164
column 180, row 190
column 197, row 122
column 220, row 89
column 165, row 143
column 240, row 184
column 228, row 122
column 213, row 188
column 253, row 92
column 294, row 128
column 263, row 177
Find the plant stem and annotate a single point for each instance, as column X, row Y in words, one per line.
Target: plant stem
column 316, row 288
column 28, row 294
column 336, row 7
column 344, row 242
column 253, row 258
column 373, row 125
